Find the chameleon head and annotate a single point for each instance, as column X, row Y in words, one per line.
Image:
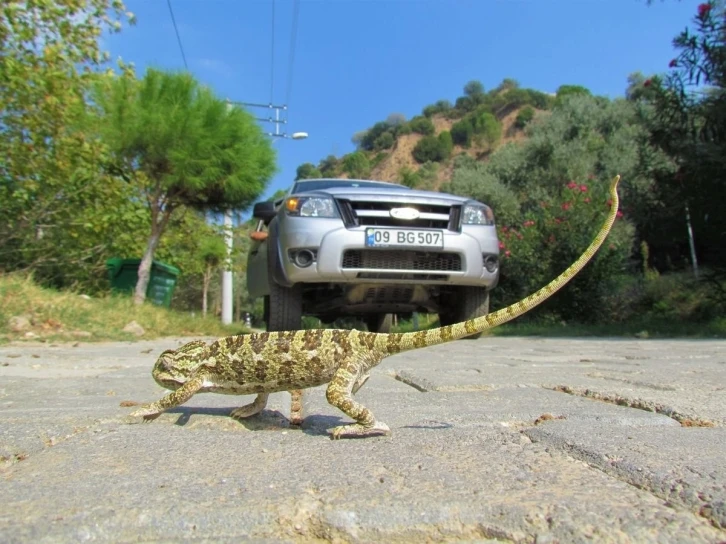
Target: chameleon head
column 174, row 366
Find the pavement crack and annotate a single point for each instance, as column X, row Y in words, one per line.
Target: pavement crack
column 686, row 420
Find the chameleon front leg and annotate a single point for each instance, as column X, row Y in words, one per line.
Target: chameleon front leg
column 175, row 398
column 255, row 407
column 339, row 394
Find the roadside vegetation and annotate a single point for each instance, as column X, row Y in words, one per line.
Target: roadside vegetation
column 75, row 190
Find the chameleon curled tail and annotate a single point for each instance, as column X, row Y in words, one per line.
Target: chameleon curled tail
column 396, row 343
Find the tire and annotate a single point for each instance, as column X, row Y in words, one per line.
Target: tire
column 468, row 303
column 284, row 304
column 381, row 323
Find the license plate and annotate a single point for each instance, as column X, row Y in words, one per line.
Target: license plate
column 381, row 237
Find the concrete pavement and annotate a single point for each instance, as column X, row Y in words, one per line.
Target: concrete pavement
column 494, row 440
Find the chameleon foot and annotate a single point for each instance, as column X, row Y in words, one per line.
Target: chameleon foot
column 357, row 430
column 146, row 413
column 254, row 407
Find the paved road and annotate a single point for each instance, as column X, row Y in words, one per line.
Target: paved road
column 498, row 439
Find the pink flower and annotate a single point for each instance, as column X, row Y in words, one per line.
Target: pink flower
column 619, row 214
column 528, row 223
column 704, row 9
column 583, row 188
column 572, row 185
column 507, row 253
column 587, row 199
column 647, row 82
column 566, row 206
column 504, row 229
column 673, row 63
column 501, row 245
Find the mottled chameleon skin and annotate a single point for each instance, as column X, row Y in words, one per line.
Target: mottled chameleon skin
column 269, row 362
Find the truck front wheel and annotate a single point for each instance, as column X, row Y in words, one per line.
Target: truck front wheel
column 467, row 303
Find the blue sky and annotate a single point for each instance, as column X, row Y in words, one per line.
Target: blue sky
column 357, row 61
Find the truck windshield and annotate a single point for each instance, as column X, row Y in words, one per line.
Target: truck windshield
column 318, row 184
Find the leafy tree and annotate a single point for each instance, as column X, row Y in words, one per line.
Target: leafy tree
column 422, row 125
column 307, row 170
column 431, row 148
column 486, row 127
column 462, row 132
column 507, row 84
column 565, row 91
column 384, row 141
column 56, row 204
column 524, row 116
column 356, row 164
column 329, row 167
column 441, row 106
column 181, row 146
column 395, row 119
column 474, row 89
column 446, row 145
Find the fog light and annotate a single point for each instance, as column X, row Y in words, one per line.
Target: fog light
column 491, row 262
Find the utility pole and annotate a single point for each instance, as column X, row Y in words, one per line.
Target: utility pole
column 227, row 285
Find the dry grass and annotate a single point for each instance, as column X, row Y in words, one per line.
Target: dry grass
column 68, row 316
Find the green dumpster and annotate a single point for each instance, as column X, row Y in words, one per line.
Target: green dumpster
column 123, row 274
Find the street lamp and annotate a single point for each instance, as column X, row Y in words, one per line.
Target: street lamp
column 227, row 288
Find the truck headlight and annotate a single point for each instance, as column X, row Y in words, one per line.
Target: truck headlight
column 477, row 214
column 311, row 206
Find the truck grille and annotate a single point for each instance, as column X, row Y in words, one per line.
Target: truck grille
column 401, row 260
column 377, row 214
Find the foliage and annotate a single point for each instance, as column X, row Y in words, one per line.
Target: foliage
column 441, row 106
column 690, row 125
column 423, row 178
column 60, row 214
column 487, row 130
column 396, row 119
column 384, row 141
column 524, row 116
column 474, row 89
column 181, row 146
column 432, row 148
column 329, row 167
column 566, row 91
column 554, row 234
column 422, row 125
column 462, row 132
column 307, row 170
column 356, row 164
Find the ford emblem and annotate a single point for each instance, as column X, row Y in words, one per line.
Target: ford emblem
column 405, row 213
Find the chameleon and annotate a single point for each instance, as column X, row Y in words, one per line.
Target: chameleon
column 267, row 362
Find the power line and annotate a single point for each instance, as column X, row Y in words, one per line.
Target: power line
column 272, row 56
column 293, row 41
column 178, row 37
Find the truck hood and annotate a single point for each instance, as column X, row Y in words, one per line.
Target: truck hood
column 394, row 194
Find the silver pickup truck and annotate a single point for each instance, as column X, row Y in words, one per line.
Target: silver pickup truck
column 338, row 247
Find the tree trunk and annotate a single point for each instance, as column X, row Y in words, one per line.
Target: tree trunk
column 157, row 228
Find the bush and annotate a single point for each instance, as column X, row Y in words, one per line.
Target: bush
column 551, row 237
column 422, row 125
column 487, row 127
column 384, row 141
column 329, row 167
column 462, row 132
column 524, row 116
column 356, row 165
column 427, row 149
column 307, row 171
column 442, row 106
column 446, row 145
column 404, row 129
column 424, row 178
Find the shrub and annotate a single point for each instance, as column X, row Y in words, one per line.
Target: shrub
column 329, row 167
column 524, row 116
column 442, row 106
column 427, row 149
column 404, row 129
column 461, row 132
column 486, row 126
column 384, row 141
column 356, row 164
column 422, row 125
column 446, row 145
column 550, row 238
column 307, row 171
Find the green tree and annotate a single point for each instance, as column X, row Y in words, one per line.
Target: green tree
column 356, row 164
column 462, row 132
column 486, row 127
column 565, row 91
column 422, row 125
column 181, row 146
column 56, row 205
column 329, row 167
column 525, row 115
column 446, row 145
column 307, row 170
column 474, row 89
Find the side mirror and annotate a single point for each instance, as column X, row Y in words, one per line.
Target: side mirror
column 264, row 211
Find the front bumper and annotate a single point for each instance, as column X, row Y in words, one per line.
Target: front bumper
column 330, row 242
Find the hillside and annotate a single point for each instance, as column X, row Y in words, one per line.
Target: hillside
column 420, row 152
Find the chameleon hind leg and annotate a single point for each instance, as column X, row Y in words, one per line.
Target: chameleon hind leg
column 180, row 396
column 254, row 407
column 296, row 407
column 339, row 394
